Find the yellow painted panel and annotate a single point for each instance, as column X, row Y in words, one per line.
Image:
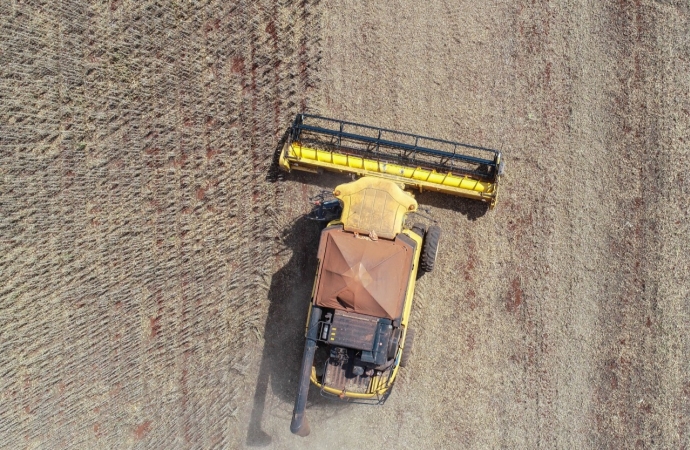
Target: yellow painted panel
column 303, row 157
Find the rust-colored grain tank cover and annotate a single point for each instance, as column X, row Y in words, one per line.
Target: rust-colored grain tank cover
column 361, row 275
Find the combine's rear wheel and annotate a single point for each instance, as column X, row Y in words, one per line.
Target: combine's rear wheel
column 430, row 248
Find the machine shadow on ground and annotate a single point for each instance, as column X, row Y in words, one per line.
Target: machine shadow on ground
column 289, row 295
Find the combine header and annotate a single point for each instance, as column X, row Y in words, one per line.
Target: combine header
column 316, row 143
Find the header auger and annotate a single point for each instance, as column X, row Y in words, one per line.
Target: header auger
column 319, row 143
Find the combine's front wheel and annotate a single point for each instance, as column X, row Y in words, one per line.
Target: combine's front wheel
column 419, row 229
column 430, row 248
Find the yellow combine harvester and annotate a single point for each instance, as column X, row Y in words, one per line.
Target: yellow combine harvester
column 357, row 334
column 317, row 143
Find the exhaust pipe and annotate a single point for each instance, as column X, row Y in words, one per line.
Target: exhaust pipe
column 300, row 424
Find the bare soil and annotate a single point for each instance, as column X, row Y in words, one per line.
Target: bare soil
column 155, row 269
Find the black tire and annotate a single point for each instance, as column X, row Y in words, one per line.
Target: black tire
column 419, row 229
column 407, row 349
column 430, row 248
column 394, row 343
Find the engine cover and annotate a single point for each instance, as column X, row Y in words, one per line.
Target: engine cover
column 355, row 331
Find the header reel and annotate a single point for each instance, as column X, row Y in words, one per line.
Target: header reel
column 317, row 143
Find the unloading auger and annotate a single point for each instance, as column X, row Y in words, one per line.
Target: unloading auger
column 318, row 143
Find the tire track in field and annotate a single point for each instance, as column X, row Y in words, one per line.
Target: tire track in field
column 542, row 66
column 630, row 393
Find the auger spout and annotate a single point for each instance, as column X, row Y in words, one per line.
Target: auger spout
column 300, row 424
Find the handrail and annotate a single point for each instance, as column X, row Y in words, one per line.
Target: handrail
column 299, row 119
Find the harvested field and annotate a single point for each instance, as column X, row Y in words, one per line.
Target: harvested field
column 155, row 269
